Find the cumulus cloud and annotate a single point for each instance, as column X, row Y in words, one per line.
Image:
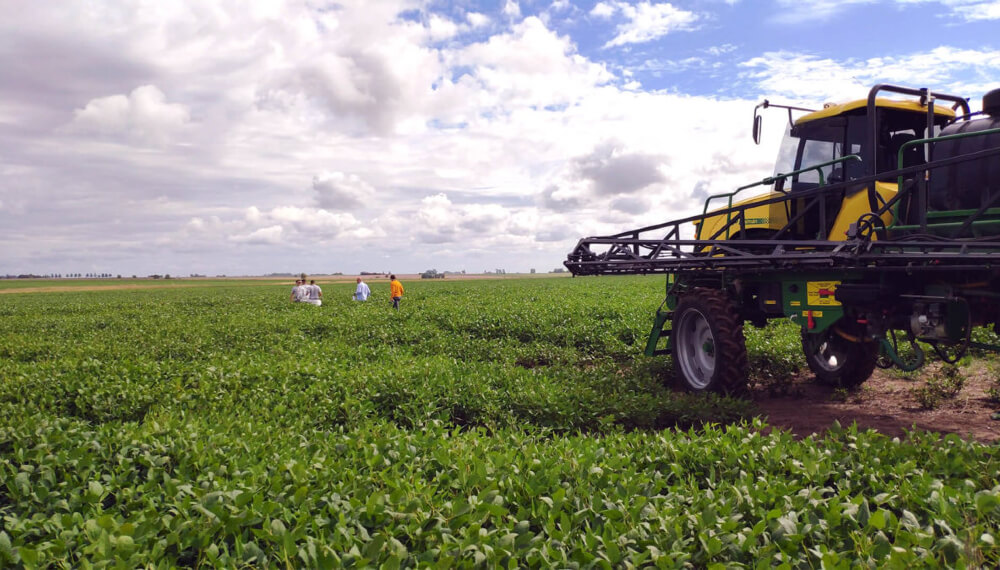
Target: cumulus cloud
column 977, row 11
column 630, row 205
column 310, row 221
column 797, row 11
column 292, row 227
column 438, row 220
column 358, row 85
column 810, row 77
column 372, row 76
column 559, row 200
column 441, row 28
column 270, row 235
column 557, row 233
column 644, row 21
column 611, row 169
column 144, row 115
column 477, row 20
column 967, row 10
column 603, row 10
column 339, row 191
column 486, row 130
column 529, row 65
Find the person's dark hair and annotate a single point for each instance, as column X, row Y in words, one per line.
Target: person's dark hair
column 392, row 277
column 312, row 281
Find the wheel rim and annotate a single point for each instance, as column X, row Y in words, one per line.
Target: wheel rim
column 695, row 349
column 828, row 356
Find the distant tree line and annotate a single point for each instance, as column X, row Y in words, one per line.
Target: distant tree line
column 62, row 276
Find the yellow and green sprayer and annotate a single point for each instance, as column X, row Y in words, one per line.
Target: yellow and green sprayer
column 879, row 227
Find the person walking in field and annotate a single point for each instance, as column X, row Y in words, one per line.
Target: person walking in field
column 296, row 295
column 395, row 291
column 362, row 292
column 315, row 294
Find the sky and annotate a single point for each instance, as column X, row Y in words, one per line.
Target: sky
column 248, row 137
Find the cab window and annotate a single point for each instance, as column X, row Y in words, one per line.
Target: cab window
column 825, row 140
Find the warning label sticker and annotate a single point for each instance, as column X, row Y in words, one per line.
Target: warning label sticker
column 820, row 293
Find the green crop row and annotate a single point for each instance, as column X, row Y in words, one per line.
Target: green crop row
column 491, row 423
column 494, row 354
column 179, row 490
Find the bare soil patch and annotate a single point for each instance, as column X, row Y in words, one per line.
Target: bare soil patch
column 885, row 403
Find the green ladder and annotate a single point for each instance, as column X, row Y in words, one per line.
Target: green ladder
column 658, row 331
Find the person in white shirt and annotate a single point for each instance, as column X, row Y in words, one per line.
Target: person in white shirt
column 314, row 293
column 362, row 292
column 296, row 292
column 303, row 295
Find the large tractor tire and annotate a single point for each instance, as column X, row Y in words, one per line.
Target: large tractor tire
column 837, row 361
column 709, row 350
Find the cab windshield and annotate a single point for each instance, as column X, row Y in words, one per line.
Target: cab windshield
column 819, row 141
column 830, row 138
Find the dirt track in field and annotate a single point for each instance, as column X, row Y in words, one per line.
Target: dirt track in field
column 885, row 403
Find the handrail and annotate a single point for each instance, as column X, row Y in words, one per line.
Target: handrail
column 927, row 98
column 910, row 144
column 772, row 179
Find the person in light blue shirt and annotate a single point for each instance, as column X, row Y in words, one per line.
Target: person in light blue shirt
column 362, row 292
column 314, row 294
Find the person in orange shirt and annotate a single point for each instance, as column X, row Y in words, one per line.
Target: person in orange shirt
column 395, row 291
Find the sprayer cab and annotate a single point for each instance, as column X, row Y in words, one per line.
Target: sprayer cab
column 832, row 147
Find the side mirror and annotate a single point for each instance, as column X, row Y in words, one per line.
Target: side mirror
column 758, row 120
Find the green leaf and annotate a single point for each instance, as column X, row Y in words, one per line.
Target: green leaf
column 986, row 501
column 5, row 547
column 877, row 520
column 277, row 527
column 28, row 556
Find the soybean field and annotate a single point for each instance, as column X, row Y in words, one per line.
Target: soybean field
column 488, row 423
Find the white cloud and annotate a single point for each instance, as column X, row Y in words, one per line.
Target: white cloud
column 797, row 11
column 631, row 205
column 144, row 115
column 441, row 28
column 271, row 235
column 645, row 21
column 529, row 66
column 280, row 128
column 292, row 227
column 339, row 191
column 477, row 20
column 610, row 169
column 808, row 77
column 976, row 11
column 721, row 49
column 561, row 200
column 512, row 9
column 603, row 10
